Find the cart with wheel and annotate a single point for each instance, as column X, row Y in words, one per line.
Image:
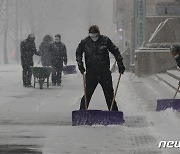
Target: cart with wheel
column 41, row 75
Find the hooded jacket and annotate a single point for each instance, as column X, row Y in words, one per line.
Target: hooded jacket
column 44, row 51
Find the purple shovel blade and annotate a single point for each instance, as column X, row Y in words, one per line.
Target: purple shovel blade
column 176, row 104
column 69, row 69
column 163, row 104
column 97, row 117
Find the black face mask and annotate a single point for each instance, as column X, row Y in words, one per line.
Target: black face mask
column 94, row 36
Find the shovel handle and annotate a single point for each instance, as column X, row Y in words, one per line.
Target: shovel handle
column 115, row 92
column 84, row 84
column 176, row 91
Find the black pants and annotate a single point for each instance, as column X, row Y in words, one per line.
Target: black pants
column 56, row 75
column 105, row 80
column 26, row 75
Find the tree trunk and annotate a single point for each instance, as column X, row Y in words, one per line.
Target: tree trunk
column 16, row 33
column 5, row 35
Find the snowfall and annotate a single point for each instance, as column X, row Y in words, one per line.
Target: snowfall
column 40, row 120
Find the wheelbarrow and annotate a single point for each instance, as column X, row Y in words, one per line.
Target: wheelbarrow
column 69, row 69
column 40, row 75
column 163, row 104
column 97, row 117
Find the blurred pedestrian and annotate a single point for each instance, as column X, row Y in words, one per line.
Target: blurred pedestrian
column 44, row 50
column 175, row 51
column 58, row 56
column 28, row 49
column 96, row 48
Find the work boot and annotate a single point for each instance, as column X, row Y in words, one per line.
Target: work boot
column 29, row 86
column 59, row 84
column 54, row 84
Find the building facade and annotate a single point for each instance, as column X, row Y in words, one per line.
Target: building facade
column 126, row 15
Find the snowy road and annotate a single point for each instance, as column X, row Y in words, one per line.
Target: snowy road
column 39, row 121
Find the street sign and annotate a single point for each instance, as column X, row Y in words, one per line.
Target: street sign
column 140, row 22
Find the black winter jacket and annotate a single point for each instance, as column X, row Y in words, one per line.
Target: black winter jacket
column 97, row 54
column 28, row 49
column 58, row 54
column 45, row 54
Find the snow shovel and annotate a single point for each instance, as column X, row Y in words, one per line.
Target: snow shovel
column 97, row 117
column 163, row 104
column 69, row 69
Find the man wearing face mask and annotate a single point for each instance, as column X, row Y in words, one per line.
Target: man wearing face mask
column 58, row 56
column 96, row 48
column 28, row 49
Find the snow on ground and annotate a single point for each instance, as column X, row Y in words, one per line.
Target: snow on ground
column 41, row 119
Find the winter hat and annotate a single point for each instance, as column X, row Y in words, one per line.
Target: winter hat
column 31, row 38
column 47, row 38
column 94, row 29
column 58, row 35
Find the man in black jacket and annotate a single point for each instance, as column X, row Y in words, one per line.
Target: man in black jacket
column 96, row 48
column 58, row 56
column 28, row 49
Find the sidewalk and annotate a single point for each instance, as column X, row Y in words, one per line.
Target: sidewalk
column 41, row 119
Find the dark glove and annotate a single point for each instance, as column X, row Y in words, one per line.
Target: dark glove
column 121, row 69
column 65, row 61
column 81, row 68
column 178, row 63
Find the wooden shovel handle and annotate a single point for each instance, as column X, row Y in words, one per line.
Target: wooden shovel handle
column 84, row 84
column 176, row 91
column 115, row 92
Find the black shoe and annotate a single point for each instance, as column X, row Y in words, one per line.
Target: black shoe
column 59, row 84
